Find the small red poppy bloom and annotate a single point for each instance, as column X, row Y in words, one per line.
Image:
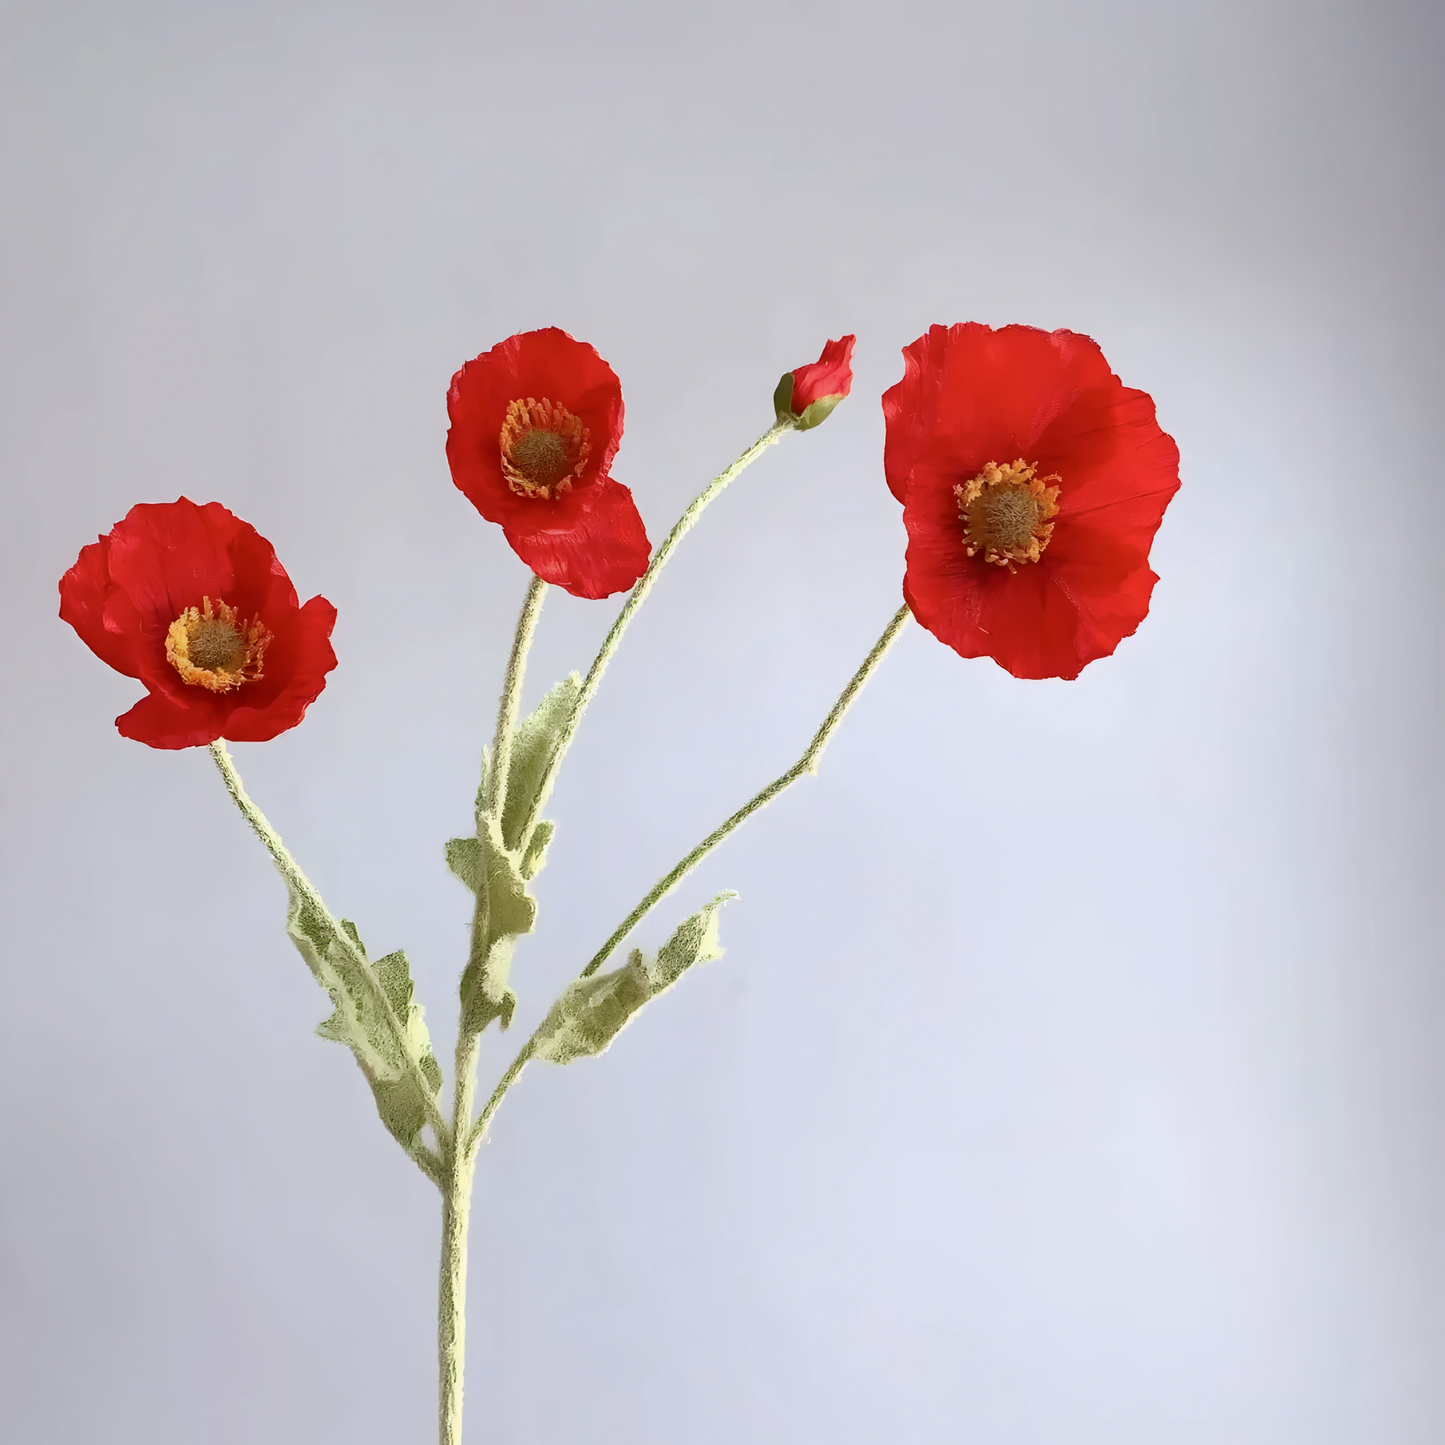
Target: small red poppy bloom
column 806, row 396
column 536, row 422
column 194, row 603
column 1032, row 483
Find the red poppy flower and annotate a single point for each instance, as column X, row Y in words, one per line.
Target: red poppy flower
column 535, row 424
column 1032, row 483
column 193, row 603
column 806, row 396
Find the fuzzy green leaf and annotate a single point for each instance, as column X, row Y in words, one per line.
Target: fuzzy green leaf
column 534, row 856
column 532, row 747
column 340, row 966
column 494, row 873
column 593, row 1011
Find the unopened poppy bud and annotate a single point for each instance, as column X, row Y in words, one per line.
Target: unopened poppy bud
column 806, row 396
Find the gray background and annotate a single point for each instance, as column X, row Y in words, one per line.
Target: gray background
column 1073, row 1074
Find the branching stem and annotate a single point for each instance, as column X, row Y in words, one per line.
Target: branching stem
column 808, row 763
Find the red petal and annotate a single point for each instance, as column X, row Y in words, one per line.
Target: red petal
column 603, row 550
column 162, row 721
column 830, row 375
column 305, row 657
column 971, row 395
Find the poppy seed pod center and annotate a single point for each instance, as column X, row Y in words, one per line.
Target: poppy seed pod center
column 211, row 647
column 1006, row 513
column 544, row 448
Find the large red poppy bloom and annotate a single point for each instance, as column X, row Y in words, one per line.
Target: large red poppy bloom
column 536, row 422
column 194, row 603
column 1032, row 483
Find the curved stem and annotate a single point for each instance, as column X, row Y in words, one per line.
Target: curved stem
column 808, row 763
column 635, row 600
column 514, row 1072
column 291, row 871
column 428, row 1161
column 493, row 793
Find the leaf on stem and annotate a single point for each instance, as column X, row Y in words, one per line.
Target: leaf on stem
column 532, row 747
column 506, row 910
column 593, row 1011
column 340, row 966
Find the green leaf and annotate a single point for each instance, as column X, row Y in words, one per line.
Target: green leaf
column 494, row 874
column 534, row 856
column 593, row 1011
column 339, row 963
column 532, row 747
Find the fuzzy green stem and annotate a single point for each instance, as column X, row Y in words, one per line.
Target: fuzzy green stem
column 635, row 600
column 457, row 1159
column 494, row 785
column 514, row 1072
column 808, row 763
column 291, row 871
column 458, row 1172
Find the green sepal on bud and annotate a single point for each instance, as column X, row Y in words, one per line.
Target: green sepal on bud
column 815, row 414
column 806, row 396
column 593, row 1011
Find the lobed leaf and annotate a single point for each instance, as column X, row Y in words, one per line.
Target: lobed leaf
column 340, row 965
column 593, row 1011
column 506, row 910
column 533, row 744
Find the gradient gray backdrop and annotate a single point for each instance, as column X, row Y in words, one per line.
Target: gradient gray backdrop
column 1073, row 1073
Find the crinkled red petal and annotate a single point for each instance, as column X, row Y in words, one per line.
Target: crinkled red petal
column 971, row 395
column 830, row 375
column 603, row 549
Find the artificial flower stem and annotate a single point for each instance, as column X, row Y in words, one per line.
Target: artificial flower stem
column 291, row 871
column 458, row 1170
column 635, row 600
column 457, row 1161
column 514, row 1072
column 494, row 786
column 808, row 763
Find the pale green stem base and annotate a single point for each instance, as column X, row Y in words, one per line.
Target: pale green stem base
column 459, row 1167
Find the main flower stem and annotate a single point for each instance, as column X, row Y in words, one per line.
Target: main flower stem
column 457, row 1160
column 291, row 871
column 635, row 600
column 808, row 763
column 458, row 1171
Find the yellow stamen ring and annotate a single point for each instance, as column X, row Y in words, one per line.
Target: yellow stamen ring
column 212, row 648
column 544, row 448
column 1006, row 511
